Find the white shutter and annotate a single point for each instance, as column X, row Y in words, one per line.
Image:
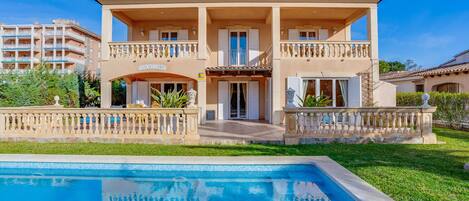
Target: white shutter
column 293, row 34
column 223, row 47
column 355, row 92
column 183, row 34
column 154, row 35
column 253, row 47
column 295, row 84
column 223, row 100
column 323, row 34
column 253, row 100
column 141, row 92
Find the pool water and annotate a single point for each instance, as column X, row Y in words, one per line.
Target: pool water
column 150, row 182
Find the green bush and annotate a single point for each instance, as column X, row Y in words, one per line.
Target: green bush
column 38, row 87
column 89, row 89
column 452, row 108
column 173, row 99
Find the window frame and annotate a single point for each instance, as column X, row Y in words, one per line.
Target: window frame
column 334, row 88
column 307, row 31
column 238, row 55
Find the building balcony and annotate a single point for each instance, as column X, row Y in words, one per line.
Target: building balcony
column 73, row 48
column 19, row 34
column 65, row 59
column 154, row 50
column 67, row 34
column 20, row 47
column 19, row 60
column 325, row 49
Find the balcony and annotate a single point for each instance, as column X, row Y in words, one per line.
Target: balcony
column 154, row 50
column 325, row 49
column 19, row 34
column 19, row 60
column 66, row 33
column 65, row 47
column 14, row 47
column 66, row 59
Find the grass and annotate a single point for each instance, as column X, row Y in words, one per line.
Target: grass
column 405, row 172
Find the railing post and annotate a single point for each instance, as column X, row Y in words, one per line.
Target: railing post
column 291, row 121
column 427, row 121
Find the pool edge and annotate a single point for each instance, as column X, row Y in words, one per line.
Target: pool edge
column 353, row 184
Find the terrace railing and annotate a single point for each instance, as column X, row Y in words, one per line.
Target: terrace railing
column 355, row 125
column 325, row 49
column 153, row 50
column 101, row 125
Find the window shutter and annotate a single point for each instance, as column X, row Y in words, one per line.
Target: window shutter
column 154, row 35
column 223, row 47
column 295, row 84
column 183, row 34
column 355, row 92
column 293, row 34
column 253, row 47
column 323, row 34
column 253, row 100
column 223, row 100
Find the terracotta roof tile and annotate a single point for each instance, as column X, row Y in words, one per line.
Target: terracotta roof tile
column 445, row 69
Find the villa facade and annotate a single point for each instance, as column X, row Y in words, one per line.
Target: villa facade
column 64, row 45
column 241, row 56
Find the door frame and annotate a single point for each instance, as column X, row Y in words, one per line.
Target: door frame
column 238, row 100
column 238, row 46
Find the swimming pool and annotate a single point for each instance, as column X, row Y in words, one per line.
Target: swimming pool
column 125, row 181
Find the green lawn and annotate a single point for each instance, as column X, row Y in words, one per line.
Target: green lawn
column 405, row 172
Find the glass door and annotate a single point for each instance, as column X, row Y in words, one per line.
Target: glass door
column 238, row 100
column 238, row 48
column 170, row 36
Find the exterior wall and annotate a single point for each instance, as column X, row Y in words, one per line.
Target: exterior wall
column 405, row 86
column 387, row 94
column 462, row 79
column 337, row 28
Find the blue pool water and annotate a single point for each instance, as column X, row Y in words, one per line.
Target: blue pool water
column 148, row 182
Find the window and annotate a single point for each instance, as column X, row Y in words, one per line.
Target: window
column 169, row 36
column 308, row 35
column 334, row 89
column 419, row 88
column 238, row 48
column 447, row 87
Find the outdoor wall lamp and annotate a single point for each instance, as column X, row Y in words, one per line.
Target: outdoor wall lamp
column 142, row 32
column 194, row 31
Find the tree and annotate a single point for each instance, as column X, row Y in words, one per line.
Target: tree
column 89, row 89
column 410, row 65
column 391, row 66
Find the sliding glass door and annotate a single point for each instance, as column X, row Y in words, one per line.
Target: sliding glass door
column 238, row 100
column 238, row 48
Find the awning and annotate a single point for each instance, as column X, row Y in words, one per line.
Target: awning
column 239, row 70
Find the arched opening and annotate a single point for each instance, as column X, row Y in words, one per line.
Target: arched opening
column 138, row 88
column 447, row 87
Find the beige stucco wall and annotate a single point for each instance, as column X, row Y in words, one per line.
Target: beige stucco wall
column 146, row 26
column 386, row 94
column 404, row 86
column 462, row 79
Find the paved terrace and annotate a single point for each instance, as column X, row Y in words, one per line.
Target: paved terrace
column 240, row 132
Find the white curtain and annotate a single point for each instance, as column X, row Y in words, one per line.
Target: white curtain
column 245, row 87
column 305, row 88
column 343, row 90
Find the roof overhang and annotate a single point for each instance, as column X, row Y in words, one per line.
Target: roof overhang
column 121, row 2
column 239, row 71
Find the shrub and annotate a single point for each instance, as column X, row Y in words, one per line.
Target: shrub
column 38, row 87
column 89, row 89
column 315, row 101
column 452, row 108
column 173, row 99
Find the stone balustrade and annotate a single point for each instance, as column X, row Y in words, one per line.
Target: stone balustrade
column 165, row 125
column 359, row 125
column 153, row 50
column 325, row 49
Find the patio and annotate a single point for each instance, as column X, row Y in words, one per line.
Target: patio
column 240, row 132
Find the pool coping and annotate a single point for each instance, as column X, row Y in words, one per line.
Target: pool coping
column 356, row 186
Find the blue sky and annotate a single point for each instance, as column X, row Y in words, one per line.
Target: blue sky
column 426, row 31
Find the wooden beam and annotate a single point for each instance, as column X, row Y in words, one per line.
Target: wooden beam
column 355, row 16
column 123, row 17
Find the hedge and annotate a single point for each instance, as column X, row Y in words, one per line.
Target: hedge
column 38, row 87
column 452, row 108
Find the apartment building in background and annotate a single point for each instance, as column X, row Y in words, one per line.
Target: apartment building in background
column 242, row 56
column 64, row 45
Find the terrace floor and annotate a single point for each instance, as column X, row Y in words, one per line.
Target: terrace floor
column 240, row 132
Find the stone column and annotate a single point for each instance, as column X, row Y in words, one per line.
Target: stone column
column 372, row 26
column 202, row 99
column 106, row 32
column 276, row 78
column 202, row 33
column 128, row 92
column 426, row 125
column 106, row 94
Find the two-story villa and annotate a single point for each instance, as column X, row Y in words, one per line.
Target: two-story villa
column 241, row 56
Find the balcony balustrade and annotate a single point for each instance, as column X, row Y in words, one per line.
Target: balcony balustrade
column 154, row 50
column 325, row 49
